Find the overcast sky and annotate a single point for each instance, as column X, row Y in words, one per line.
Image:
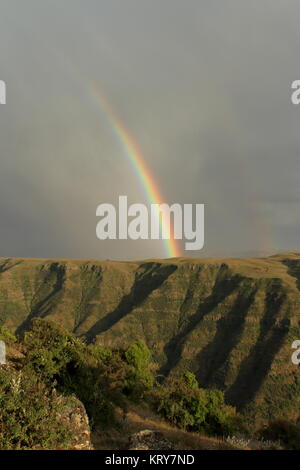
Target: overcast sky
column 204, row 88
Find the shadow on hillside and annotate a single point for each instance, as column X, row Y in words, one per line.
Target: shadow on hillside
column 8, row 264
column 150, row 279
column 254, row 368
column 90, row 279
column 293, row 269
column 213, row 358
column 46, row 296
column 222, row 288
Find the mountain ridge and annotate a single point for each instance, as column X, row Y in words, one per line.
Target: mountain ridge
column 231, row 321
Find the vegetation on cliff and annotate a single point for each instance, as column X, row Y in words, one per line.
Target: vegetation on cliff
column 49, row 370
column 229, row 322
column 52, row 367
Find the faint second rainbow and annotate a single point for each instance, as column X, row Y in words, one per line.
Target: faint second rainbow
column 172, row 246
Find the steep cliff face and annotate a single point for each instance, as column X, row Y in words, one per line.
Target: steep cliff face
column 231, row 321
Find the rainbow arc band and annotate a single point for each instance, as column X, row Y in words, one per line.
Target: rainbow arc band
column 144, row 176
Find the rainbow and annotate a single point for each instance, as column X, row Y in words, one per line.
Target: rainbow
column 143, row 173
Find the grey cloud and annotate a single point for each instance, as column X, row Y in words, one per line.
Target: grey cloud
column 204, row 88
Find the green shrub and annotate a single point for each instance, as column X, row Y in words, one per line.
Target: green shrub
column 190, row 379
column 30, row 414
column 6, row 335
column 101, row 353
column 63, row 361
column 138, row 375
column 221, row 419
column 189, row 407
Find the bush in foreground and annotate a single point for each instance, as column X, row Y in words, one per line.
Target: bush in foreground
column 30, row 415
column 184, row 404
column 55, row 367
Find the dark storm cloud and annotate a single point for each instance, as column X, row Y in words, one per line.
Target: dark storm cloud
column 203, row 86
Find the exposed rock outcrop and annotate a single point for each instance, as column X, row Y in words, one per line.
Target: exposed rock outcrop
column 149, row 440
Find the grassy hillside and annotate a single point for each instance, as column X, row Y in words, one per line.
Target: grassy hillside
column 230, row 321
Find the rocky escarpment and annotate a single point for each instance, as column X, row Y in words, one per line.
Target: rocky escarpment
column 75, row 417
column 230, row 321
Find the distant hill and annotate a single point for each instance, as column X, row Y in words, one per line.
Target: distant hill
column 230, row 321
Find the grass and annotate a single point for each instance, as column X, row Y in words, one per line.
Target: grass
column 139, row 418
column 229, row 320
